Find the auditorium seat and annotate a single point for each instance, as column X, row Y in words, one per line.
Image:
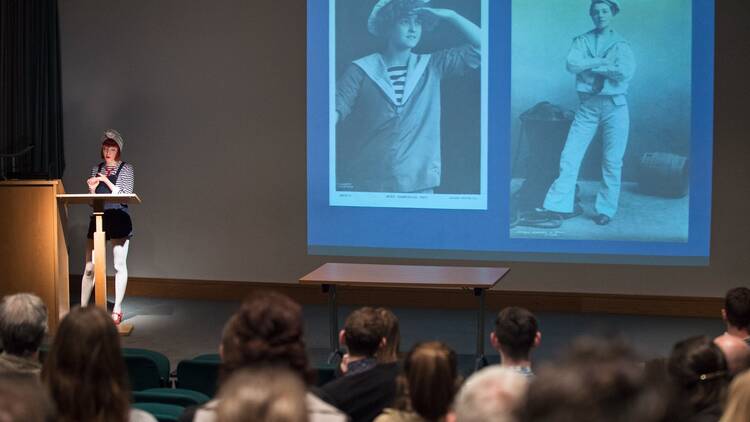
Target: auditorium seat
column 325, row 373
column 177, row 396
column 198, row 375
column 211, row 357
column 146, row 368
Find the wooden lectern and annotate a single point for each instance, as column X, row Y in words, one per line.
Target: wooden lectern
column 97, row 201
column 33, row 253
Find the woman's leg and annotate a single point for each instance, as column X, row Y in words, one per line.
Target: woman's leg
column 120, row 256
column 87, row 281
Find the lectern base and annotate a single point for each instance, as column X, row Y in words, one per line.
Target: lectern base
column 125, row 329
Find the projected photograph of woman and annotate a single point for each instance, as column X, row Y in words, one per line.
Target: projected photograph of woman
column 407, row 96
column 594, row 173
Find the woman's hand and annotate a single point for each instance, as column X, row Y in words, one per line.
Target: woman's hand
column 468, row 29
column 104, row 179
column 436, row 13
column 92, row 182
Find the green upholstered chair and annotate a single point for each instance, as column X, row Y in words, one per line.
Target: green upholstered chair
column 325, row 373
column 177, row 396
column 211, row 357
column 146, row 368
column 198, row 375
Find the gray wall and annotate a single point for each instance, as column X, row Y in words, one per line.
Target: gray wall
column 210, row 96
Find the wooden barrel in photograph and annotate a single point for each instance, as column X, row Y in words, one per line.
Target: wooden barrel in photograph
column 663, row 174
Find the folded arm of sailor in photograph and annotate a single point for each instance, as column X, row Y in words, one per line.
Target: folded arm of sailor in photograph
column 603, row 63
column 395, row 95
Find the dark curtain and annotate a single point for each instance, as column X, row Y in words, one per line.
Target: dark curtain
column 30, row 91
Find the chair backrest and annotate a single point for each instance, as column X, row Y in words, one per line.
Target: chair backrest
column 176, row 396
column 198, row 375
column 162, row 412
column 325, row 374
column 146, row 368
column 211, row 357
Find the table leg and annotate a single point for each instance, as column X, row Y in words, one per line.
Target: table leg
column 333, row 323
column 100, row 262
column 480, row 361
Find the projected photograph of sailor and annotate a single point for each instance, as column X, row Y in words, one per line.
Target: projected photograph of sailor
column 407, row 96
column 601, row 123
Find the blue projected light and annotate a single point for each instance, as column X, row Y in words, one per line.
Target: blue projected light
column 501, row 130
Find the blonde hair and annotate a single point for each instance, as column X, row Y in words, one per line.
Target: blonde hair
column 263, row 395
column 491, row 395
column 738, row 404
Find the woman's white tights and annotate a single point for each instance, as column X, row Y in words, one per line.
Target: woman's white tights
column 120, row 255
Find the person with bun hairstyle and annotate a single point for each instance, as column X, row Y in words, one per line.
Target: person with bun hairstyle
column 266, row 332
column 111, row 176
column 700, row 376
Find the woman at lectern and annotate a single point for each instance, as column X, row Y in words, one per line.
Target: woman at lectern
column 117, row 177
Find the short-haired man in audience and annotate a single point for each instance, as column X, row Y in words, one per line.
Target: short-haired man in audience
column 367, row 386
column 23, row 324
column 736, row 313
column 736, row 352
column 516, row 333
column 489, row 395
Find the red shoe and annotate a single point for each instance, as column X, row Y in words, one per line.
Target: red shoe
column 117, row 317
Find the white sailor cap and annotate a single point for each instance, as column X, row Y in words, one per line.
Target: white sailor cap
column 613, row 4
column 372, row 25
column 115, row 136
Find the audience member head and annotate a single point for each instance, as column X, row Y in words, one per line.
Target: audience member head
column 698, row 369
column 490, row 395
column 271, row 394
column 516, row 333
column 736, row 311
column 364, row 332
column 736, row 352
column 266, row 330
column 389, row 352
column 22, row 400
column 431, row 378
column 85, row 371
column 598, row 379
column 23, row 323
column 738, row 402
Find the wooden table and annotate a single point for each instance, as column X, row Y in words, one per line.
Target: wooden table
column 476, row 279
